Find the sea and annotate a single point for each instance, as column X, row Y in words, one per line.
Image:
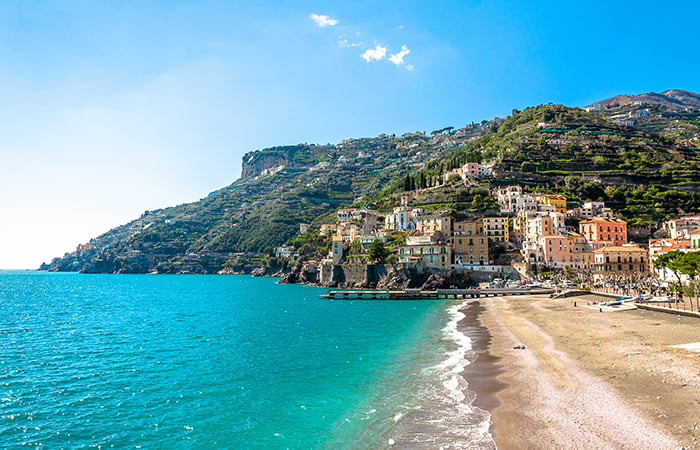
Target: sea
column 231, row 362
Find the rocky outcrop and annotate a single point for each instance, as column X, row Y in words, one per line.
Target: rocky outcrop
column 272, row 159
column 376, row 276
column 301, row 273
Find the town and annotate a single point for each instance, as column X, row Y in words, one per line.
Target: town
column 532, row 235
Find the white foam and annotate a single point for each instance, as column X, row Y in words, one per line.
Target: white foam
column 456, row 360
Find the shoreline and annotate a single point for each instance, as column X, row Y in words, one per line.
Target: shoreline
column 483, row 375
column 586, row 379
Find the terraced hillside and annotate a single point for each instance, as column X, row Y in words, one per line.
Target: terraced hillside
column 645, row 169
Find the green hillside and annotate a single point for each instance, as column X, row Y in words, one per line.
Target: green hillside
column 647, row 171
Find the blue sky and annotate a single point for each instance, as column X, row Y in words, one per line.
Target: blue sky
column 113, row 108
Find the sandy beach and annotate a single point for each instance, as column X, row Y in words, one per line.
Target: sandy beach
column 586, row 379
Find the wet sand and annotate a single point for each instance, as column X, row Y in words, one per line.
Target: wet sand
column 586, row 379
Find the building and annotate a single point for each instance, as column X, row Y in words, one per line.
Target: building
column 403, row 218
column 659, row 246
column 345, row 215
column 620, row 260
column 336, row 254
column 507, row 198
column 284, row 252
column 446, row 176
column 328, row 229
column 476, row 170
column 590, row 209
column 348, row 231
column 571, row 250
column 470, row 249
column 680, row 228
column 497, row 229
column 695, row 239
column 604, row 229
column 429, row 225
column 558, row 202
column 468, row 228
column 422, row 252
column 538, row 225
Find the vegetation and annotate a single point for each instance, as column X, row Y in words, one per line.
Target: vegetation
column 646, row 174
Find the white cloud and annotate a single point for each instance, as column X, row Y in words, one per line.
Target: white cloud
column 376, row 54
column 344, row 43
column 397, row 58
column 324, row 21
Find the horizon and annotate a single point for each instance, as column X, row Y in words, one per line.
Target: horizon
column 112, row 110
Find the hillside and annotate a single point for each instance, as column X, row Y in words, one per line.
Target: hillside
column 645, row 176
column 280, row 188
column 673, row 98
column 647, row 170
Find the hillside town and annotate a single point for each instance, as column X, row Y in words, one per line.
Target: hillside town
column 531, row 234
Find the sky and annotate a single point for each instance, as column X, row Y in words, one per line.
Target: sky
column 109, row 109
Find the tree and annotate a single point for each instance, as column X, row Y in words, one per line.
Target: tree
column 670, row 261
column 378, row 251
column 689, row 264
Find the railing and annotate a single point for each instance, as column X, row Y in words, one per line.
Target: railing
column 674, row 302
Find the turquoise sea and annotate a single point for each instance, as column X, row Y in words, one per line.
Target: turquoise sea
column 196, row 361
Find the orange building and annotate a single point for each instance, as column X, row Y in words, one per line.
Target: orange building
column 607, row 229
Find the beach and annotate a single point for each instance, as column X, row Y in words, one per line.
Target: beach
column 586, row 379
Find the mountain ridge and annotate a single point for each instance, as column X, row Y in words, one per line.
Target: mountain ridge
column 283, row 187
column 671, row 98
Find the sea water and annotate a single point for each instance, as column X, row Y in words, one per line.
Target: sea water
column 196, row 361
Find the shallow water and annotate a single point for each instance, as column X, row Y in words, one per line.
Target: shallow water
column 159, row 361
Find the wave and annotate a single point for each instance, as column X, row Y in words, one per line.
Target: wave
column 447, row 417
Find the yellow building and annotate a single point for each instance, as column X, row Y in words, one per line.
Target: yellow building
column 470, row 249
column 557, row 201
column 497, row 229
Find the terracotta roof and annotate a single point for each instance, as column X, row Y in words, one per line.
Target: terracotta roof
column 620, row 249
column 603, row 219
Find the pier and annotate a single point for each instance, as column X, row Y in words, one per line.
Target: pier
column 418, row 294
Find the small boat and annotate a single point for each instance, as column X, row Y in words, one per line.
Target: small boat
column 662, row 299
